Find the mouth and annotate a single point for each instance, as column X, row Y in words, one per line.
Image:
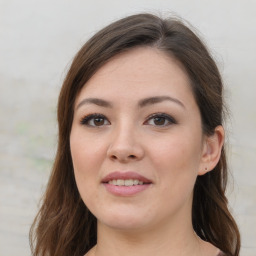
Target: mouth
column 125, row 179
column 129, row 182
column 125, row 183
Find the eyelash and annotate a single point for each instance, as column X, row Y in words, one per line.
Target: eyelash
column 167, row 117
column 85, row 120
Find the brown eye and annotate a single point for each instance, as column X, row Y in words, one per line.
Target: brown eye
column 161, row 120
column 95, row 120
column 98, row 121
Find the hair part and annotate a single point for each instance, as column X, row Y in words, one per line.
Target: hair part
column 64, row 225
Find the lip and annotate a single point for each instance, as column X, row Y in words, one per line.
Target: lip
column 125, row 176
column 125, row 191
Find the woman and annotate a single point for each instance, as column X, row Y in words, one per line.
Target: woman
column 140, row 167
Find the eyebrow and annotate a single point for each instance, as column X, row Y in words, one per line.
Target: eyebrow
column 142, row 103
column 96, row 101
column 159, row 99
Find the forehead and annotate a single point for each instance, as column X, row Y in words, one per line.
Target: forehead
column 140, row 72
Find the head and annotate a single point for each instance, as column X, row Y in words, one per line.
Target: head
column 173, row 39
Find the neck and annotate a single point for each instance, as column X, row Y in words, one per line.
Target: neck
column 167, row 239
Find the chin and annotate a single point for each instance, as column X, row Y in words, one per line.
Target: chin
column 124, row 221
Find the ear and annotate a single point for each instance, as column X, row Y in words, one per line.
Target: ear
column 211, row 152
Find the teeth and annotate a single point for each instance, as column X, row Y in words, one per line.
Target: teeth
column 120, row 182
column 127, row 183
column 136, row 182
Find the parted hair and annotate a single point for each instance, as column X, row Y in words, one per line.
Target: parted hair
column 64, row 225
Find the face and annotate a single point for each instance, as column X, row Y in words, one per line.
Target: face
column 136, row 141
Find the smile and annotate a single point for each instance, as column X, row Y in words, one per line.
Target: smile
column 125, row 179
column 125, row 183
column 129, row 182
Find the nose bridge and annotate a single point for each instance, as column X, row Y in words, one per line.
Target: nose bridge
column 125, row 143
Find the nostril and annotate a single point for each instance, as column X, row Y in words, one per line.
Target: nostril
column 123, row 158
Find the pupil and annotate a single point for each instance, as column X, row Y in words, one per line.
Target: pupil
column 98, row 121
column 159, row 120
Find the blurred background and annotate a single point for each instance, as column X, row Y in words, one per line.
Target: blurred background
column 38, row 40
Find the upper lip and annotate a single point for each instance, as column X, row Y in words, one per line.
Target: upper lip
column 125, row 176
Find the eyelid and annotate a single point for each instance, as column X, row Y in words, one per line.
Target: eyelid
column 85, row 119
column 169, row 118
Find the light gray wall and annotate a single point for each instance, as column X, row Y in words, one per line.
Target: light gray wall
column 37, row 42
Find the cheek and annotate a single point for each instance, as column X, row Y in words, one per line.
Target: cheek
column 87, row 155
column 177, row 153
column 86, row 152
column 177, row 161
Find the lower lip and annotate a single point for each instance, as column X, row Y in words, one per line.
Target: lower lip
column 125, row 190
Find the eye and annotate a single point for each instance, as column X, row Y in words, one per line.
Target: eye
column 160, row 119
column 94, row 120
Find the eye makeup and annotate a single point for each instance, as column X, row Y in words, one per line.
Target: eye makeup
column 94, row 120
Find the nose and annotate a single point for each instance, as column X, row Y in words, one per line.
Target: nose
column 125, row 145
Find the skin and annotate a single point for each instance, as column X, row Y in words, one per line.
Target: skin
column 156, row 221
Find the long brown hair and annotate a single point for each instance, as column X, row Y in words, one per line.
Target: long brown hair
column 64, row 226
